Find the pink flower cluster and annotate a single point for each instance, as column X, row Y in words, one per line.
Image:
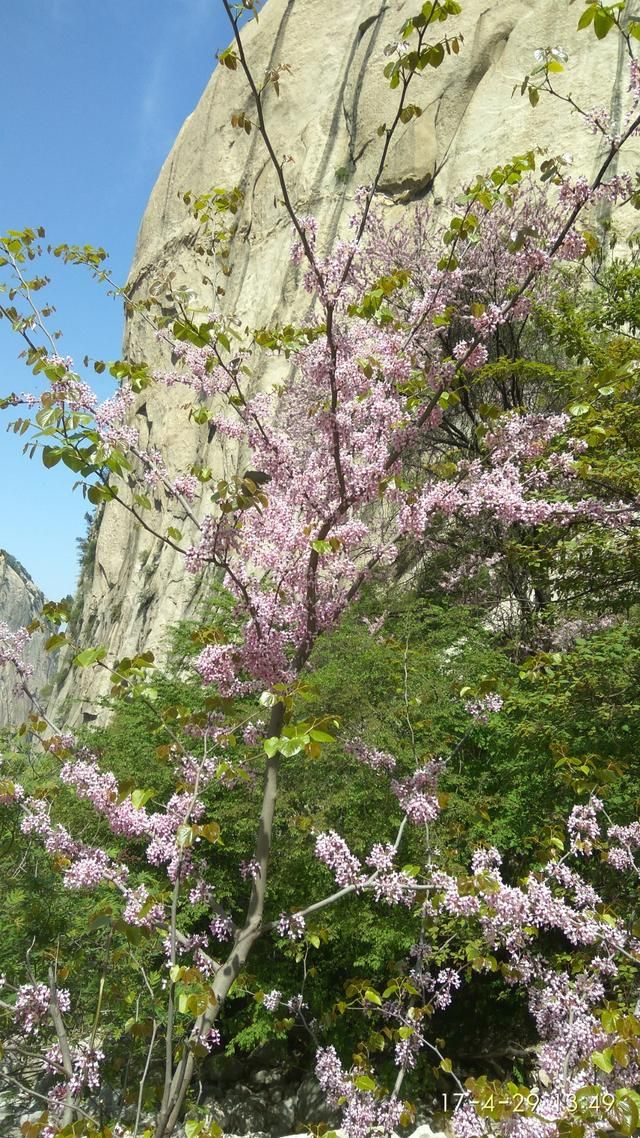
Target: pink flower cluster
column 471, row 357
column 12, row 647
column 138, row 910
column 583, row 826
column 222, row 927
column 334, row 852
column 627, row 843
column 163, row 831
column 271, row 1000
column 484, row 706
column 291, row 925
column 159, row 829
column 363, row 1113
column 210, row 1039
column 86, row 1068
column 417, row 793
column 32, row 1005
column 371, row 757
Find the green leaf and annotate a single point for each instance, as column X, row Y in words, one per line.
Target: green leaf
column 140, row 797
column 603, row 1060
column 412, row 870
column 98, row 494
column 272, row 746
column 90, row 656
column 436, row 55
column 603, row 22
column 372, row 997
column 364, row 1083
column 210, row 832
column 587, row 17
column 290, row 747
column 99, row 921
column 200, row 337
column 184, row 836
column 51, row 456
column 55, row 641
column 620, row 1052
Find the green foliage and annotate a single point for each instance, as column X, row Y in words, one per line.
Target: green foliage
column 509, row 783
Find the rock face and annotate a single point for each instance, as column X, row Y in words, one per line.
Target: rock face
column 247, row 1099
column 20, row 602
column 326, row 118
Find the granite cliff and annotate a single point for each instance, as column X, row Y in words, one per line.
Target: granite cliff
column 20, row 602
column 326, row 118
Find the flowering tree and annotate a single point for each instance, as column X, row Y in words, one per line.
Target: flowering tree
column 399, row 419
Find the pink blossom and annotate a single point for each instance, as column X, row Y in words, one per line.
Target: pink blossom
column 583, row 827
column 86, row 1061
column 200, row 893
column 12, row 647
column 32, row 1005
column 416, row 794
column 139, row 912
column 271, row 1000
column 333, row 851
column 484, row 706
column 222, row 927
column 186, row 486
column 377, row 760
column 251, row 735
column 291, row 926
column 210, row 1039
column 250, row 868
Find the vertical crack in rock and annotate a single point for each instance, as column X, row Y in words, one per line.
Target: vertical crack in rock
column 350, row 113
column 374, row 25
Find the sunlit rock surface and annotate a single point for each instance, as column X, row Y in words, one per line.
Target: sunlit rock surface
column 326, row 120
column 20, row 602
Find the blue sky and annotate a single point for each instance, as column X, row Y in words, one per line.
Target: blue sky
column 93, row 97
